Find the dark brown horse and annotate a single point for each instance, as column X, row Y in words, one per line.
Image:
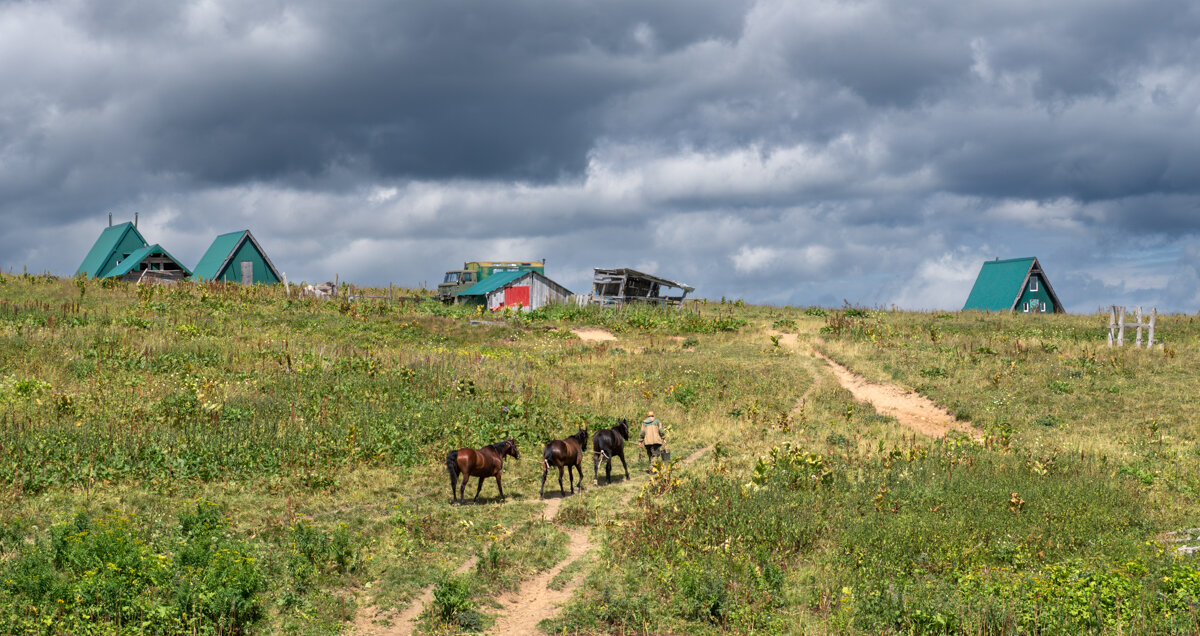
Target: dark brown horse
column 607, row 444
column 482, row 463
column 565, row 452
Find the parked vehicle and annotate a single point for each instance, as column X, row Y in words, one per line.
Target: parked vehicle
column 475, row 271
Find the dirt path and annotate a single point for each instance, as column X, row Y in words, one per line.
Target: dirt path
column 592, row 334
column 372, row 621
column 535, row 602
column 911, row 409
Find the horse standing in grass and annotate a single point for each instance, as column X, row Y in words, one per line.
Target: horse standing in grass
column 482, row 463
column 607, row 444
column 565, row 452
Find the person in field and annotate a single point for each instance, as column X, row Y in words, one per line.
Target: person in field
column 652, row 437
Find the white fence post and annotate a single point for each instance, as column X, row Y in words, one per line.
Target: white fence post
column 1116, row 322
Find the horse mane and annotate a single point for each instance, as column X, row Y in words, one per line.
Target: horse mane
column 499, row 446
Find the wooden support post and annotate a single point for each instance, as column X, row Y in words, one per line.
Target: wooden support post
column 1121, row 327
column 287, row 291
column 1138, row 340
column 1150, row 339
column 1112, row 323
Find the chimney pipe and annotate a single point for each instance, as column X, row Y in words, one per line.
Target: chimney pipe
column 135, row 216
column 110, row 219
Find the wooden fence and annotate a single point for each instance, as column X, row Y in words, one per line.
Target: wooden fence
column 1116, row 326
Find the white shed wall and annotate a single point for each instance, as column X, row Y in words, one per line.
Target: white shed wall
column 541, row 293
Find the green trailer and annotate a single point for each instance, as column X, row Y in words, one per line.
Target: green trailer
column 476, row 271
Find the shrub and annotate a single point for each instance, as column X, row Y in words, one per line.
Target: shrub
column 452, row 603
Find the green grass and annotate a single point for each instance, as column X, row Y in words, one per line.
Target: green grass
column 252, row 462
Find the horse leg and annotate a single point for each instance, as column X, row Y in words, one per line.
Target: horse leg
column 498, row 486
column 608, row 469
column 595, row 468
column 477, row 489
column 545, row 470
column 622, row 456
column 462, row 489
column 453, row 488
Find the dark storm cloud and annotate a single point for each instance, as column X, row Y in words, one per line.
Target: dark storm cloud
column 772, row 150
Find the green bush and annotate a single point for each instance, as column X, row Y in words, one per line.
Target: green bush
column 111, row 571
column 453, row 603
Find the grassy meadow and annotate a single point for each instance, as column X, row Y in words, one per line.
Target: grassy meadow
column 218, row 459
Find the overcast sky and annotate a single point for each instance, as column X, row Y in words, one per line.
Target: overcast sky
column 787, row 152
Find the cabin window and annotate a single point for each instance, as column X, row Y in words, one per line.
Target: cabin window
column 1032, row 284
column 1026, row 309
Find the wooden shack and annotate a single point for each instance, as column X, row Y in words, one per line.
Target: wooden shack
column 524, row 291
column 623, row 285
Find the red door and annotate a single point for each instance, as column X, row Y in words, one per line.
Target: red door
column 514, row 296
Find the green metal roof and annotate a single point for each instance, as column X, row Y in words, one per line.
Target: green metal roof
column 133, row 260
column 219, row 255
column 491, row 283
column 999, row 284
column 215, row 258
column 108, row 242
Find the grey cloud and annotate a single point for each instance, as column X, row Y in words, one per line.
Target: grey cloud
column 772, row 150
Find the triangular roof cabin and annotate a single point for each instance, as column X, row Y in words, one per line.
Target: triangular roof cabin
column 236, row 257
column 527, row 290
column 153, row 258
column 1016, row 284
column 114, row 245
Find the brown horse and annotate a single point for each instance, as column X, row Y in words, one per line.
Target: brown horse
column 483, row 463
column 566, row 452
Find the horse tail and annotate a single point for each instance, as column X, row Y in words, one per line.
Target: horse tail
column 546, row 455
column 452, row 463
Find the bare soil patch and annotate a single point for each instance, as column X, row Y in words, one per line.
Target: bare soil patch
column 911, row 409
column 790, row 340
column 592, row 334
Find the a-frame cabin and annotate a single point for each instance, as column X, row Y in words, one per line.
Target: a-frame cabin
column 115, row 244
column 1016, row 284
column 236, row 257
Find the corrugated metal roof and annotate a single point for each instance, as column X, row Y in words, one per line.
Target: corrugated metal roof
column 493, row 282
column 217, row 254
column 133, row 260
column 104, row 246
column 999, row 284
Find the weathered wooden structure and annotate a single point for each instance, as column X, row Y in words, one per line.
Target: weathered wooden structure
column 1117, row 324
column 524, row 291
column 1015, row 284
column 622, row 285
column 237, row 257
